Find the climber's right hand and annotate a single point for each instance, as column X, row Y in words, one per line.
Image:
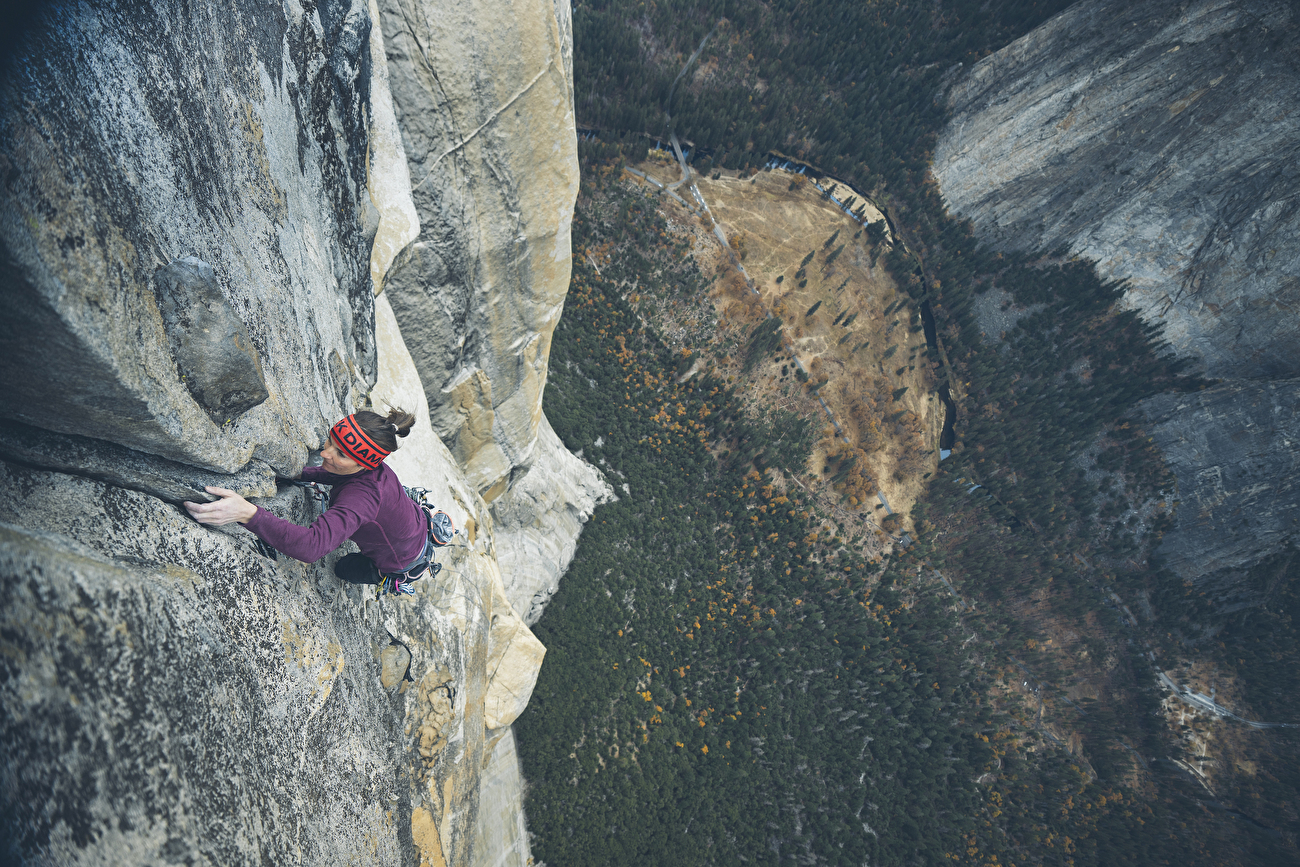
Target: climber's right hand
column 230, row 509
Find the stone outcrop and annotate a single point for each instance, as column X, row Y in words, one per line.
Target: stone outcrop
column 199, row 205
column 486, row 114
column 108, row 462
column 539, row 519
column 502, row 835
column 1160, row 140
column 1235, row 449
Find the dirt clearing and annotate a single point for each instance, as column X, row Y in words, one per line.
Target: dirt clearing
column 859, row 338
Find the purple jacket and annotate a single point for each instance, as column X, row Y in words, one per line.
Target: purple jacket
column 369, row 507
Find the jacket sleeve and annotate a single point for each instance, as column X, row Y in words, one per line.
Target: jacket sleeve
column 308, row 544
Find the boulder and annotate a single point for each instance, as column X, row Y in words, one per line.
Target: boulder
column 213, row 354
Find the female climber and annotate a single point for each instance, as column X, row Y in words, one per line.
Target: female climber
column 367, row 504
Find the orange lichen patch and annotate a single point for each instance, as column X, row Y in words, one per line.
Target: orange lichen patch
column 424, row 831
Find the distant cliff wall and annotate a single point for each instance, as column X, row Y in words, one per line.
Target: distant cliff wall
column 1235, row 449
column 198, row 206
column 1161, row 140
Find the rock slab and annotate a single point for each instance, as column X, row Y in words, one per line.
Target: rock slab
column 483, row 93
column 135, row 136
column 539, row 519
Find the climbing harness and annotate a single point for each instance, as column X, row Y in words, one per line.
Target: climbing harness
column 441, row 529
column 440, row 533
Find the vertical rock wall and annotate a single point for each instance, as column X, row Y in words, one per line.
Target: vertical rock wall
column 199, row 204
column 539, row 519
column 133, row 136
column 484, row 97
column 1161, row 141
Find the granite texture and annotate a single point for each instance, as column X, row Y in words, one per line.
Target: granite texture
column 483, row 93
column 1235, row 450
column 502, row 833
column 199, row 204
column 108, row 462
column 169, row 693
column 136, row 135
column 539, row 519
column 1160, row 140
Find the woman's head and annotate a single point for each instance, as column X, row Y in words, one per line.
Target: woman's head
column 362, row 440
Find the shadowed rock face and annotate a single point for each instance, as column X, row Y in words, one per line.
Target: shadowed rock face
column 1235, row 449
column 124, row 468
column 1161, row 141
column 136, row 135
column 487, row 122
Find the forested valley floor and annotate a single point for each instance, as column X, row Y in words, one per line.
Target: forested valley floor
column 735, row 676
column 745, row 664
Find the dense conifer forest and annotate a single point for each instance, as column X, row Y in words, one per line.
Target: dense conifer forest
column 727, row 681
column 723, row 685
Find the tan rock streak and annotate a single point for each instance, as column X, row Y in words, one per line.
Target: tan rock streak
column 483, row 95
column 473, row 661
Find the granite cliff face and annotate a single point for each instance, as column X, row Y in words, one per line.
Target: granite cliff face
column 486, row 113
column 1236, row 453
column 1161, row 141
column 233, row 138
column 200, row 205
column 539, row 519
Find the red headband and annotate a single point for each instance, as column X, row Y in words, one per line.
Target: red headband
column 357, row 443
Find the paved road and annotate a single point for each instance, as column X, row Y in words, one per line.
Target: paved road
column 1202, row 701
